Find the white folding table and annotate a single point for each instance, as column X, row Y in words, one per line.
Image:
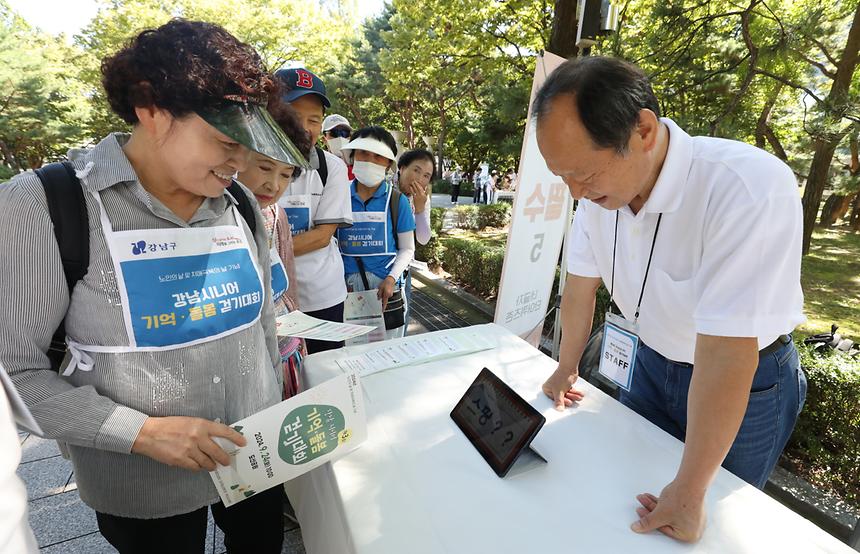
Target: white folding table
column 418, row 486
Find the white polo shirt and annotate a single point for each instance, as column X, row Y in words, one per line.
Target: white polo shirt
column 320, row 273
column 727, row 257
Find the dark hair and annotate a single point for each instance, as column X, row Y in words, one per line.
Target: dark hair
column 378, row 133
column 182, row 67
column 287, row 119
column 609, row 93
column 414, row 155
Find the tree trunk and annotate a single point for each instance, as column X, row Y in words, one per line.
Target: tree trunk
column 855, row 213
column 764, row 133
column 835, row 208
column 825, row 147
column 562, row 40
column 440, row 148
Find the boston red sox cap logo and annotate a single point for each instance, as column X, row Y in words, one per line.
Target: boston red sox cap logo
column 304, row 79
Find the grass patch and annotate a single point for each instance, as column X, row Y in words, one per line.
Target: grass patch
column 830, row 276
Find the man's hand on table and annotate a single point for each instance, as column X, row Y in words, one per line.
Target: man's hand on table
column 678, row 513
column 559, row 388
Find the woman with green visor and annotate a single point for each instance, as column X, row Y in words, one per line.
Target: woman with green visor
column 170, row 332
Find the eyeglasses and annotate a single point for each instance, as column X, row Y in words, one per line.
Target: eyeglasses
column 338, row 133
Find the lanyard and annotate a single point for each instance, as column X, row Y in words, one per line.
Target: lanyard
column 647, row 267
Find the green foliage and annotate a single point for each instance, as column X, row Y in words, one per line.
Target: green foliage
column 6, row 173
column 443, row 186
column 474, row 265
column 826, row 441
column 430, row 252
column 280, row 30
column 437, row 219
column 494, row 215
column 481, row 216
column 42, row 106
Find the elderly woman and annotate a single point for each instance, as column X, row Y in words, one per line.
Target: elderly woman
column 268, row 178
column 378, row 247
column 170, row 332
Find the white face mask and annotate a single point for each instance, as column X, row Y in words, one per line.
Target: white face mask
column 369, row 174
column 335, row 145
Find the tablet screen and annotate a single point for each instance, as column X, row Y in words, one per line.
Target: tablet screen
column 496, row 420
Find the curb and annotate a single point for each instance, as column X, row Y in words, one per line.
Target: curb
column 832, row 515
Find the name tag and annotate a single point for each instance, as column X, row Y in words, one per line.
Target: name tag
column 618, row 352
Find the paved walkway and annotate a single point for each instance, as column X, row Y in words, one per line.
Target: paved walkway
column 64, row 524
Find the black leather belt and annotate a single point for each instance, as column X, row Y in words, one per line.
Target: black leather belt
column 780, row 341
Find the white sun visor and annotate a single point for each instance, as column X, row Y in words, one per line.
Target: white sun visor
column 371, row 145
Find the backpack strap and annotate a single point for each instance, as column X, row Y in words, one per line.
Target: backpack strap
column 68, row 211
column 323, row 168
column 394, row 210
column 244, row 206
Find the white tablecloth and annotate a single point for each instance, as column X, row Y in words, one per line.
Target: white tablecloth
column 418, row 486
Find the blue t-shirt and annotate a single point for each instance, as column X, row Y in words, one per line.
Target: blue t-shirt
column 379, row 265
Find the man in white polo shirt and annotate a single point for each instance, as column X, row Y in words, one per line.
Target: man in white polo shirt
column 317, row 203
column 699, row 241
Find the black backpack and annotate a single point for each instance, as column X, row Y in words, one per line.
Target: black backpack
column 323, row 168
column 68, row 211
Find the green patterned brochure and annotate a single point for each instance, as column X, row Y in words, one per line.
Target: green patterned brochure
column 293, row 437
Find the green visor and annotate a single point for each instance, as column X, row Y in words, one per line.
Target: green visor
column 251, row 125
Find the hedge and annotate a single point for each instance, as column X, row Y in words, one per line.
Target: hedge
column 825, row 445
column 443, row 186
column 474, row 265
column 481, row 216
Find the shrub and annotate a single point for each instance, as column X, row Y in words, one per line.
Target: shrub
column 430, row 252
column 6, row 173
column 494, row 215
column 437, row 219
column 443, row 186
column 474, row 265
column 466, row 217
column 826, row 440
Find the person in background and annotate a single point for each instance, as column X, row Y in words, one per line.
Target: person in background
column 336, row 132
column 456, row 180
column 378, row 248
column 478, row 187
column 317, row 204
column 416, row 170
column 491, row 185
column 268, row 178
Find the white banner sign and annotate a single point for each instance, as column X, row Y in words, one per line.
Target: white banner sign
column 538, row 225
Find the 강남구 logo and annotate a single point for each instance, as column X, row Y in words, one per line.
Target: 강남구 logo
column 138, row 248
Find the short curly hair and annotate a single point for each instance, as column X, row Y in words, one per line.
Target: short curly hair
column 182, row 67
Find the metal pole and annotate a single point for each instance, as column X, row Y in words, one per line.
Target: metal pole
column 556, row 326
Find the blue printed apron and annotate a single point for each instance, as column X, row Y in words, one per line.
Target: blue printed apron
column 368, row 235
column 298, row 210
column 280, row 281
column 179, row 287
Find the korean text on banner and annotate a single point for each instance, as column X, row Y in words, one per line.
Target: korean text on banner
column 538, row 225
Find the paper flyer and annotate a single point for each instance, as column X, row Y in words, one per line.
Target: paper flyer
column 293, row 437
column 364, row 308
column 301, row 325
column 418, row 350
